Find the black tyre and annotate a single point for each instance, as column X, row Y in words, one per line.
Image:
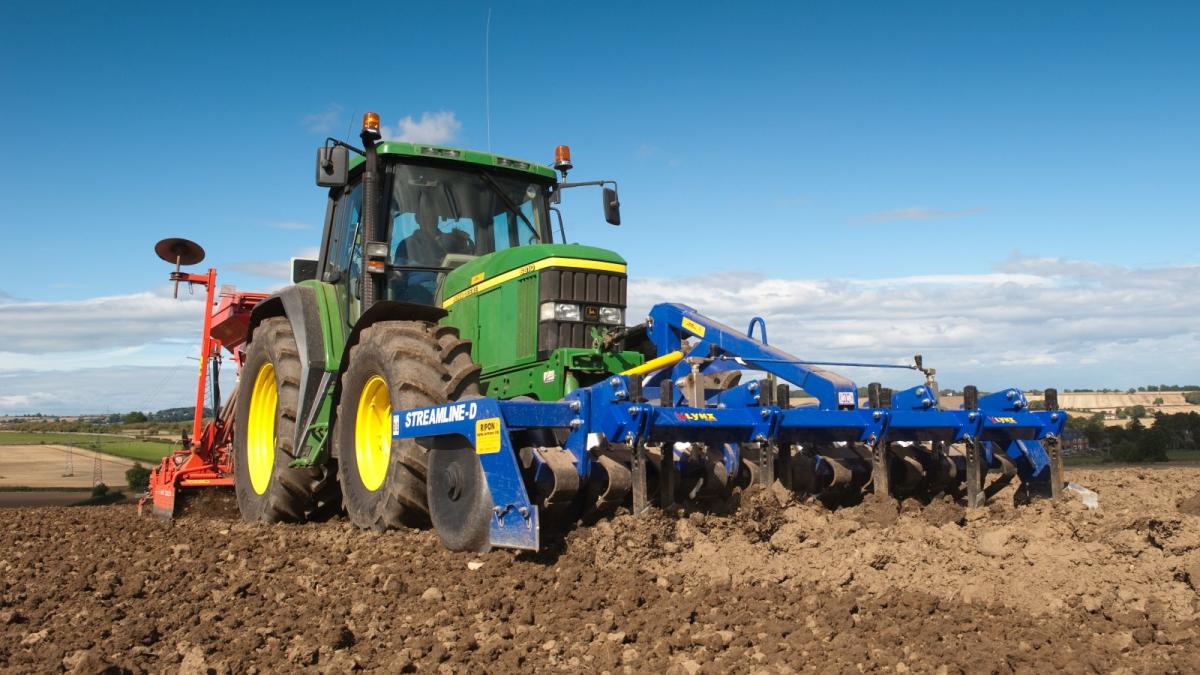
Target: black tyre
column 395, row 364
column 269, row 490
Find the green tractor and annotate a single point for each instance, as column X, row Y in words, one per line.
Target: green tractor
column 438, row 279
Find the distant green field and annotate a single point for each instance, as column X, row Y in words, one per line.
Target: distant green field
column 120, row 446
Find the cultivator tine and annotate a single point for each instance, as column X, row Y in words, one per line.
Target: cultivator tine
column 1054, row 450
column 881, row 477
column 641, row 499
column 974, row 474
column 766, row 463
column 766, row 448
column 783, row 399
column 668, row 477
column 974, row 452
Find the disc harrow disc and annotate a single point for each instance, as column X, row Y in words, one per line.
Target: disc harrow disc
column 459, row 503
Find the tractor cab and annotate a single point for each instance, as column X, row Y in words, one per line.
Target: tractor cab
column 440, row 208
column 470, row 232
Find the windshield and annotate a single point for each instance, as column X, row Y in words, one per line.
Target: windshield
column 441, row 218
column 440, row 212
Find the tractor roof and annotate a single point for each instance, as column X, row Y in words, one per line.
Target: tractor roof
column 458, row 155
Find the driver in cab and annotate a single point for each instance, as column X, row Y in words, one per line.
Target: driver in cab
column 426, row 247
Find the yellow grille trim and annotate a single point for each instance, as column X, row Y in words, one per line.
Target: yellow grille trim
column 574, row 263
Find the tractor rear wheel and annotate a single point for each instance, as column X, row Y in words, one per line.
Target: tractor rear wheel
column 268, row 396
column 395, row 364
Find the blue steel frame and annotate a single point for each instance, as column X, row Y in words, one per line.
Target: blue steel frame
column 1002, row 421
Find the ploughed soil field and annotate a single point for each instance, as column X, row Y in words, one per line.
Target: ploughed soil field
column 779, row 586
column 40, row 466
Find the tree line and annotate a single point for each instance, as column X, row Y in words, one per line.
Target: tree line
column 1135, row 442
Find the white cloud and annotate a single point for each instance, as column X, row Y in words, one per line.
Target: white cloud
column 1034, row 322
column 30, row 402
column 95, row 324
column 918, row 213
column 437, row 128
column 272, row 269
column 102, row 390
column 267, row 269
column 1030, row 322
column 324, row 122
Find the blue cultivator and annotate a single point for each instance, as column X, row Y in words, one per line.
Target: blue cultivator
column 683, row 426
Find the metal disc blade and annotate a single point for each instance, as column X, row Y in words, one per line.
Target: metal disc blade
column 460, row 505
column 187, row 252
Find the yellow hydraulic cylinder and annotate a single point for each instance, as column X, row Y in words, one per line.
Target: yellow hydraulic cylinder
column 654, row 364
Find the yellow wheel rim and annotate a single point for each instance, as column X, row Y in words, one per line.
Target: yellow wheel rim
column 260, row 428
column 373, row 433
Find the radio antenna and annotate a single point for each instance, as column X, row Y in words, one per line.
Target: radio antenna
column 487, row 77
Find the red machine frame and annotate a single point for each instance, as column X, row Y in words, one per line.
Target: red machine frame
column 205, row 459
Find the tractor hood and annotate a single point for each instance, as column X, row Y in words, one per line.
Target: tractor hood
column 493, row 269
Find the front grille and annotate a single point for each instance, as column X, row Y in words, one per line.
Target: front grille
column 582, row 287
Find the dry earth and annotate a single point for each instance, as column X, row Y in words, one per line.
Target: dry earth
column 778, row 587
column 44, row 465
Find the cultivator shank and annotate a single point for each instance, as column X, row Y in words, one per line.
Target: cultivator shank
column 683, row 426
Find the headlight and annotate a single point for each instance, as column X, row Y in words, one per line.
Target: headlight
column 613, row 315
column 558, row 311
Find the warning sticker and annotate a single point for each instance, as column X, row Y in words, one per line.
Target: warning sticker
column 487, row 436
column 692, row 326
column 845, row 398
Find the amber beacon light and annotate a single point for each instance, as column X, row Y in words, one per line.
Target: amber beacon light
column 371, row 123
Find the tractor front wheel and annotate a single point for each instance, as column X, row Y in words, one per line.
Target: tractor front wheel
column 400, row 365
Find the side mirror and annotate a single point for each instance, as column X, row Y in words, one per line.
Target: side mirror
column 332, row 166
column 303, row 269
column 612, row 207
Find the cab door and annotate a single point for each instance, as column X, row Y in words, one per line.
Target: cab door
column 341, row 257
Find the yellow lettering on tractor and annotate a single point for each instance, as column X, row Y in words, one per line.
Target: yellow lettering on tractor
column 1003, row 420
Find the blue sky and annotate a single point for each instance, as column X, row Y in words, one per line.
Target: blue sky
column 1009, row 188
